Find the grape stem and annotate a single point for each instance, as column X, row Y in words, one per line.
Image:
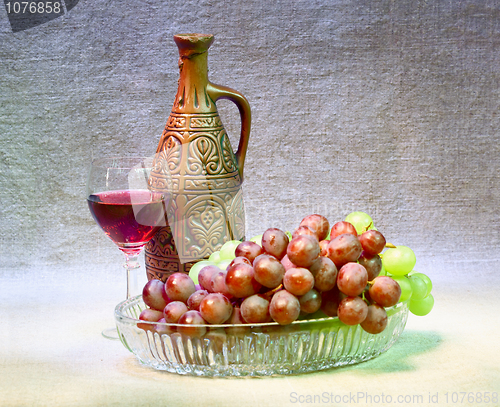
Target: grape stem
column 390, row 245
column 268, row 294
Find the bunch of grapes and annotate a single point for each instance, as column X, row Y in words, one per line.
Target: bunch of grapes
column 281, row 277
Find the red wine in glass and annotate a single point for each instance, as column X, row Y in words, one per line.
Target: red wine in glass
column 130, row 218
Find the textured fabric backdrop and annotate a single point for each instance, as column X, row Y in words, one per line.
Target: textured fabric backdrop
column 390, row 107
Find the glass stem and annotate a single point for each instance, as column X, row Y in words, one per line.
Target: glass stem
column 132, row 266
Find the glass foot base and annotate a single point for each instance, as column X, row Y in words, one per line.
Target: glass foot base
column 110, row 333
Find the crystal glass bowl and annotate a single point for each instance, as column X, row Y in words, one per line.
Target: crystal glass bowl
column 254, row 349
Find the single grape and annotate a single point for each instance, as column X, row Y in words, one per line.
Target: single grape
column 372, row 264
column 373, row 242
column 240, row 281
column 421, row 307
column 342, row 228
column 323, row 248
column 344, row 249
column 191, row 320
column 215, row 257
column 287, row 263
column 376, row 319
column 298, row 281
column 310, row 302
column 275, row 242
column 195, row 270
column 330, row 301
column 303, row 250
column 318, row 224
column 361, row 221
column 218, row 283
column 404, row 284
column 173, row 311
column 284, row 307
column 240, row 259
column 255, row 309
column 418, row 287
column 304, row 230
column 352, row 279
column 352, row 310
column 149, row 315
column 399, row 261
column 248, row 249
column 257, row 239
column 427, row 281
column 154, row 295
column 268, row 270
column 325, row 274
column 227, row 251
column 195, row 299
column 236, row 318
column 205, row 276
column 163, row 329
column 179, row 287
column 385, row 291
column 216, row 308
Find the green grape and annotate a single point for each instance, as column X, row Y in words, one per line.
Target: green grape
column 257, row 239
column 426, row 279
column 383, row 272
column 421, row 307
column 418, row 287
column 193, row 273
column 227, row 250
column 215, row 257
column 289, row 234
column 399, row 261
column 360, row 220
column 404, row 283
column 328, row 236
column 224, row 263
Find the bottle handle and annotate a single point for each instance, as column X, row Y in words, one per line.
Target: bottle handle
column 217, row 92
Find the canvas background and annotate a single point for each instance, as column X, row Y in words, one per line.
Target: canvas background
column 387, row 107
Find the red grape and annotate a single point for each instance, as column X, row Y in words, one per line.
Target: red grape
column 373, row 242
column 318, row 224
column 150, row 315
column 352, row 279
column 376, row 319
column 303, row 250
column 298, row 281
column 330, row 301
column 215, row 308
column 154, row 295
column 179, row 287
column 323, row 247
column 275, row 242
column 385, row 291
column 249, row 250
column 173, row 311
column 287, row 263
column 310, row 302
column 341, row 228
column 284, row 307
column 372, row 264
column 268, row 271
column 255, row 309
column 194, row 299
column 325, row 274
column 352, row 310
column 218, row 283
column 192, row 318
column 239, row 259
column 304, row 230
column 240, row 281
column 163, row 329
column 344, row 249
column 205, row 276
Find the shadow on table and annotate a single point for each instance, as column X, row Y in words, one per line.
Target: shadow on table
column 397, row 358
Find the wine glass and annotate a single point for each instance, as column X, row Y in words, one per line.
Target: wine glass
column 126, row 207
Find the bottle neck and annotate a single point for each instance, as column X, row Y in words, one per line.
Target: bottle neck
column 192, row 94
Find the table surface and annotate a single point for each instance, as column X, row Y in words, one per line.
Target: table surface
column 52, row 354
